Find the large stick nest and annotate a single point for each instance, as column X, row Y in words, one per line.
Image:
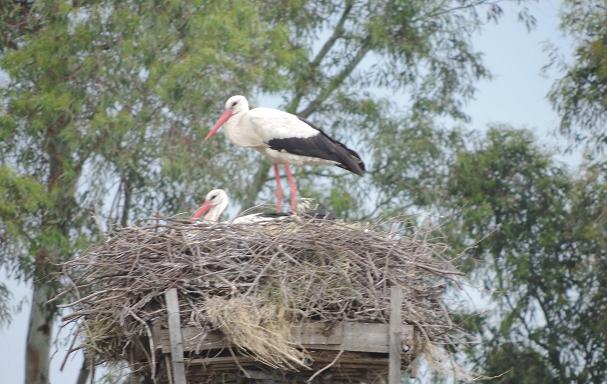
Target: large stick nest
column 252, row 281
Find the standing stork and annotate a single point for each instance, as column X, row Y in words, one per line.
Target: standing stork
column 284, row 139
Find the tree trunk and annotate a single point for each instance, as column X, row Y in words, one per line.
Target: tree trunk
column 44, row 284
column 257, row 184
column 83, row 375
column 39, row 333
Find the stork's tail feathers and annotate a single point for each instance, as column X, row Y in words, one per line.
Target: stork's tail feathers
column 350, row 160
column 332, row 149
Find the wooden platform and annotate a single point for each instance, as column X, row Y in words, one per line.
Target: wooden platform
column 346, row 352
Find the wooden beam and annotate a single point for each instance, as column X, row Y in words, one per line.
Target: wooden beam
column 228, row 361
column 396, row 300
column 167, row 361
column 175, row 336
column 349, row 336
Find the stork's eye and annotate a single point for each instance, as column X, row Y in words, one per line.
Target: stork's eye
column 234, row 103
column 213, row 197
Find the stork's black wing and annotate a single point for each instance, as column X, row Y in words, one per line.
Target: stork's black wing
column 321, row 146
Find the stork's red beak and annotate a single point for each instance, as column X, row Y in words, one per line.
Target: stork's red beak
column 222, row 119
column 204, row 208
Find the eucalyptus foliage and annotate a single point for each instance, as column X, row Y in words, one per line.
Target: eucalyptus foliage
column 539, row 243
column 580, row 95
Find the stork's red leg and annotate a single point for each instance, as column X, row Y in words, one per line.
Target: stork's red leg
column 293, row 188
column 278, row 189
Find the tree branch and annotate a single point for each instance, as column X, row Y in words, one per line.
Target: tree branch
column 257, row 184
column 84, row 372
column 554, row 354
column 324, row 50
column 337, row 33
column 338, row 79
column 124, row 220
column 438, row 11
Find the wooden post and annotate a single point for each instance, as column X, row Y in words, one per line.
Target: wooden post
column 396, row 300
column 175, row 336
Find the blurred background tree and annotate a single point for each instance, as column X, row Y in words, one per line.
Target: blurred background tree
column 543, row 254
column 107, row 103
column 580, row 95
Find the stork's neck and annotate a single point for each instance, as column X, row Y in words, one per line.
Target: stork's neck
column 237, row 132
column 215, row 212
column 234, row 120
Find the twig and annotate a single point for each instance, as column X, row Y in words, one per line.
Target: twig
column 260, row 274
column 325, row 367
column 69, row 350
column 148, row 331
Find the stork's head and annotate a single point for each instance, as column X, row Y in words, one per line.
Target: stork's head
column 213, row 206
column 234, row 105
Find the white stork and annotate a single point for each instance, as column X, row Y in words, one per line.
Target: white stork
column 217, row 200
column 284, row 139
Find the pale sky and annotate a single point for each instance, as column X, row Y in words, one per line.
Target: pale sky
column 516, row 95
